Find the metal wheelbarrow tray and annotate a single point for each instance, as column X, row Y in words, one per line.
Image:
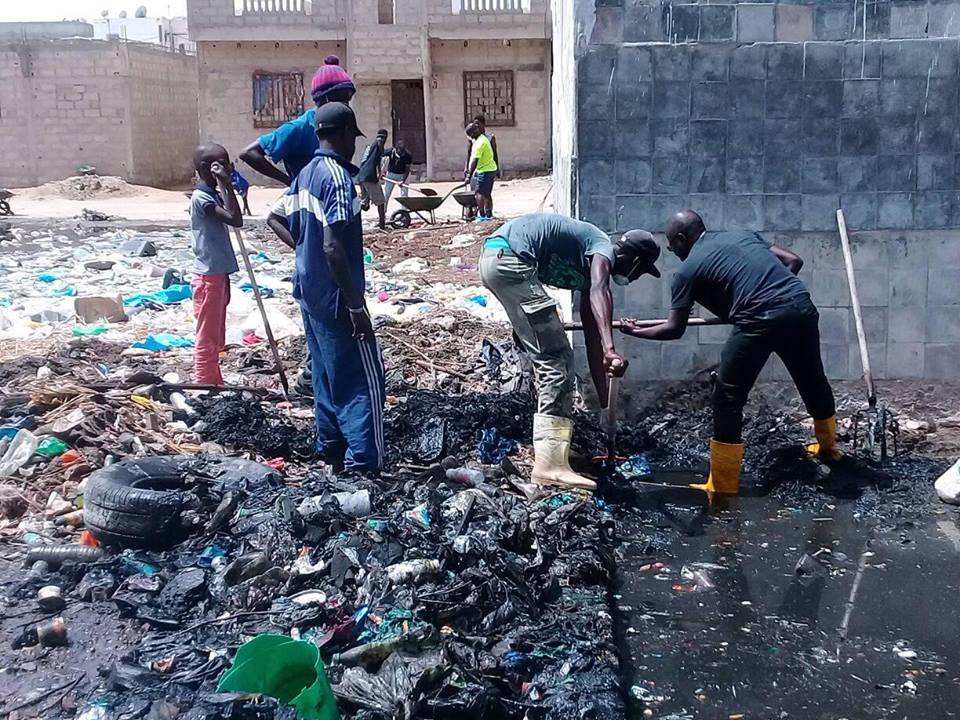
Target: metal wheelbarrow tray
column 418, row 206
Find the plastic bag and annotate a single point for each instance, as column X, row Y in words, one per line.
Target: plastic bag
column 289, row 670
column 169, row 296
column 51, row 447
column 163, row 341
column 401, row 680
column 21, row 448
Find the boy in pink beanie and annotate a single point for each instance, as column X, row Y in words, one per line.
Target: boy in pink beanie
column 295, row 142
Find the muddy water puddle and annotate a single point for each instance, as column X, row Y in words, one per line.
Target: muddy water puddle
column 824, row 609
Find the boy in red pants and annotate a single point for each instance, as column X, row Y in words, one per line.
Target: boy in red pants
column 213, row 206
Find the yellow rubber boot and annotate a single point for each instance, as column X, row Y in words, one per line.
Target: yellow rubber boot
column 551, row 451
column 725, row 462
column 825, row 448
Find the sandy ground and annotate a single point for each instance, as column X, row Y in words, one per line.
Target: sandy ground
column 136, row 202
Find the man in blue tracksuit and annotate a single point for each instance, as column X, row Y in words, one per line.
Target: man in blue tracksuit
column 320, row 215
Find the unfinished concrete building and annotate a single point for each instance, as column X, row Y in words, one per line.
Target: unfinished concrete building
column 770, row 116
column 128, row 109
column 422, row 67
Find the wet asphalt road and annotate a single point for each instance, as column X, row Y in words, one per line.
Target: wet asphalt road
column 728, row 627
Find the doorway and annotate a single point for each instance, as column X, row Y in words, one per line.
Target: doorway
column 409, row 123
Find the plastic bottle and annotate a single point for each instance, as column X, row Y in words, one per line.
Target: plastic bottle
column 21, row 448
column 412, row 570
column 471, row 477
column 465, row 476
column 412, row 642
column 56, row 554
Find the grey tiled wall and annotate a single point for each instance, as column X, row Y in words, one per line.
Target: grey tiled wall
column 770, row 116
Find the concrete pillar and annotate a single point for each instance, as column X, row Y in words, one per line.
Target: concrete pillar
column 427, row 92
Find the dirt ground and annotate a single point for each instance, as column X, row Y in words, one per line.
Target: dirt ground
column 141, row 203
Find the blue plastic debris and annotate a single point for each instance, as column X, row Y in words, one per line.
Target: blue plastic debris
column 65, row 292
column 635, row 466
column 169, row 296
column 264, row 291
column 493, row 447
column 209, row 554
column 163, row 341
column 46, row 278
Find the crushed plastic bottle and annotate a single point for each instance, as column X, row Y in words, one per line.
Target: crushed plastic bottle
column 412, row 570
column 21, row 448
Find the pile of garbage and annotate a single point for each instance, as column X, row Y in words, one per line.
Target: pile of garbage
column 89, row 185
column 433, row 589
column 132, row 286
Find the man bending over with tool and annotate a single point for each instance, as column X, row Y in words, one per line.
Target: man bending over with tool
column 753, row 284
column 543, row 249
column 320, row 216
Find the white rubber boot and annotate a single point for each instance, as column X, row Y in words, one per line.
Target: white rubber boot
column 551, row 450
column 948, row 485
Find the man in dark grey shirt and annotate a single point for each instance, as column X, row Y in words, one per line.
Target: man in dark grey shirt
column 752, row 284
column 546, row 249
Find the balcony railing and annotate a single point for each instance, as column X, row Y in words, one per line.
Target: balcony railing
column 490, row 7
column 271, row 7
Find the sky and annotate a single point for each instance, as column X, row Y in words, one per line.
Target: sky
column 17, row 11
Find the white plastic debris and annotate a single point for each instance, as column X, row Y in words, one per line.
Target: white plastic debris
column 948, row 485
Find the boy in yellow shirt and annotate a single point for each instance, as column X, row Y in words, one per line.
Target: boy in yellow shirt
column 481, row 171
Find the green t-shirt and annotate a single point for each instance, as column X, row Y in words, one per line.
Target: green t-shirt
column 483, row 154
column 560, row 247
column 735, row 276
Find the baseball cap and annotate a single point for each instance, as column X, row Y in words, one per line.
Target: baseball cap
column 336, row 116
column 640, row 245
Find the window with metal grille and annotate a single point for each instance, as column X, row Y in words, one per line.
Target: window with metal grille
column 277, row 98
column 489, row 93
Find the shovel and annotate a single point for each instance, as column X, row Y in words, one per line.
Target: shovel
column 263, row 313
column 608, row 419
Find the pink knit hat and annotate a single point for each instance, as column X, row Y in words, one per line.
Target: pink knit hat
column 330, row 76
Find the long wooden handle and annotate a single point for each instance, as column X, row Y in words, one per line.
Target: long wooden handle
column 617, row 324
column 857, row 314
column 263, row 314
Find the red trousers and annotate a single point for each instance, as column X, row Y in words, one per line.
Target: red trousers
column 211, row 295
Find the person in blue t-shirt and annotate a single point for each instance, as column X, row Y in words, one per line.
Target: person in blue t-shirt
column 295, row 142
column 320, row 217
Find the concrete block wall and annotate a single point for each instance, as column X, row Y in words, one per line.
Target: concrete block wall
column 68, row 103
column 386, row 52
column 769, row 116
column 164, row 119
column 524, row 147
column 226, row 86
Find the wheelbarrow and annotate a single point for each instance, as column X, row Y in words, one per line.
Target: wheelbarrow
column 418, row 206
column 5, row 196
column 468, row 201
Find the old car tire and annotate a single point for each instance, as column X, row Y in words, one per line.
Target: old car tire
column 137, row 502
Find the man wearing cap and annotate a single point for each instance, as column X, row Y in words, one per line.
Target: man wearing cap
column 295, row 142
column 545, row 249
column 371, row 192
column 320, row 216
column 753, row 284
